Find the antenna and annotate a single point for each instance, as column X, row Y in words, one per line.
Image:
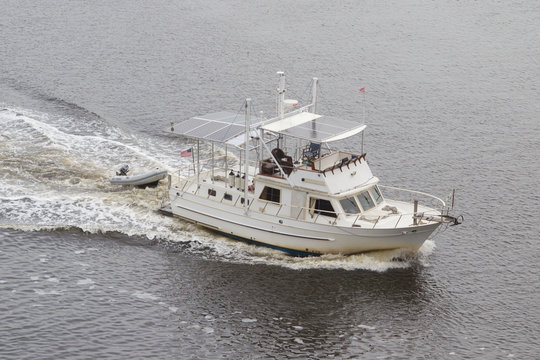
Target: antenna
column 281, row 93
column 314, row 95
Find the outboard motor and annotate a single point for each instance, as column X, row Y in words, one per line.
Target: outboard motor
column 123, row 171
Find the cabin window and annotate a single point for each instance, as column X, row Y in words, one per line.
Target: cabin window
column 211, row 192
column 376, row 194
column 365, row 200
column 271, row 194
column 349, row 205
column 227, row 197
column 321, row 206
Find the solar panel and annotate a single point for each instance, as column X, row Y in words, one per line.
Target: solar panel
column 221, row 127
column 228, row 127
column 314, row 127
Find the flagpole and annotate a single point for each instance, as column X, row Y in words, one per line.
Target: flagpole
column 364, row 110
column 193, row 160
column 363, row 91
column 198, row 165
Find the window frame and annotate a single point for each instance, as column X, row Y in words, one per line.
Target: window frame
column 313, row 210
column 358, row 208
column 378, row 191
column 370, row 199
column 265, row 196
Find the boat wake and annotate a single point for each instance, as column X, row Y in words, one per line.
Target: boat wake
column 54, row 175
column 380, row 261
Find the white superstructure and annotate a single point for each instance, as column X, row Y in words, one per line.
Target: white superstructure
column 290, row 190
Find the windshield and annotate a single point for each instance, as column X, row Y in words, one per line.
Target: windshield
column 349, row 206
column 365, row 200
column 376, row 194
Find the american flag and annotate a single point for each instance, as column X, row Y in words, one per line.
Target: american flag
column 186, row 153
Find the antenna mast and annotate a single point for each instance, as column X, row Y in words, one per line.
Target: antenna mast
column 281, row 94
column 314, row 95
column 246, row 149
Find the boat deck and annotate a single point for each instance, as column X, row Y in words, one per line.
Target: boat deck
column 396, row 214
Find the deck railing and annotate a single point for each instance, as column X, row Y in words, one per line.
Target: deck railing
column 310, row 215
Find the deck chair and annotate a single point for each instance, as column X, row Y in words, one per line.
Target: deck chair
column 284, row 160
column 312, row 151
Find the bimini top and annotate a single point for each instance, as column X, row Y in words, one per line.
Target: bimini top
column 313, row 127
column 222, row 127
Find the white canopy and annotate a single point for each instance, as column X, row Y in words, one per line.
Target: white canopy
column 313, row 127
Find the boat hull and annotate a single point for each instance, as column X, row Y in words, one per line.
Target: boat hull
column 296, row 236
column 140, row 180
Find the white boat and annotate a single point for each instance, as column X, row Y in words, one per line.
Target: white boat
column 149, row 178
column 303, row 197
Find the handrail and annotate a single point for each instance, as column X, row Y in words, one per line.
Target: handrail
column 413, row 191
column 339, row 215
column 191, row 170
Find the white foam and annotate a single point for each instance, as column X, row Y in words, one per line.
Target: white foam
column 144, row 296
column 50, row 292
column 296, row 327
column 85, row 282
column 173, row 309
column 34, row 278
column 298, row 341
column 208, row 330
column 53, row 280
column 246, row 320
column 367, row 327
column 78, row 252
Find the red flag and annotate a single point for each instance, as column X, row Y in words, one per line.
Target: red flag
column 363, row 89
column 185, row 153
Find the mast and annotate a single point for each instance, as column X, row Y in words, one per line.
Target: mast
column 246, row 149
column 314, row 95
column 281, row 94
column 198, row 164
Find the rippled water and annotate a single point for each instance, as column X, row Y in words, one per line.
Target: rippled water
column 91, row 270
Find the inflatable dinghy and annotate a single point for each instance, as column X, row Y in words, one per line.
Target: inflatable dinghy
column 150, row 178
